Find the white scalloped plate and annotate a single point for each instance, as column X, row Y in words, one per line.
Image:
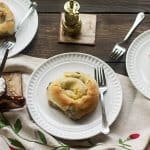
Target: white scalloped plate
column 138, row 63
column 54, row 121
column 28, row 30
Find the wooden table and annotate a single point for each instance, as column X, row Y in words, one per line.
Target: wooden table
column 114, row 19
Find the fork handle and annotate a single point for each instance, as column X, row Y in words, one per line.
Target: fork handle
column 105, row 126
column 32, row 7
column 3, row 62
column 138, row 20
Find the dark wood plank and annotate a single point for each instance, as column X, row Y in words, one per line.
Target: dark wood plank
column 111, row 28
column 105, row 6
column 118, row 67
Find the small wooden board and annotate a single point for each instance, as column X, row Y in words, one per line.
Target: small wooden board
column 13, row 97
column 87, row 35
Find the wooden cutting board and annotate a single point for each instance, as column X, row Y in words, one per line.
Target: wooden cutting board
column 13, row 97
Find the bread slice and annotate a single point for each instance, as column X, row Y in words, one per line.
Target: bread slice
column 13, row 97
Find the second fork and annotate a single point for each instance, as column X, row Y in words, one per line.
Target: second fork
column 118, row 49
column 102, row 83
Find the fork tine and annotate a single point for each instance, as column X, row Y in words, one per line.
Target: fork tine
column 2, row 44
column 2, row 41
column 117, row 52
column 119, row 55
column 115, row 55
column 10, row 45
column 95, row 74
column 112, row 55
column 5, row 45
column 100, row 75
column 104, row 77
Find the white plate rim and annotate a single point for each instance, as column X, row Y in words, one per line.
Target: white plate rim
column 33, row 110
column 26, row 3
column 131, row 61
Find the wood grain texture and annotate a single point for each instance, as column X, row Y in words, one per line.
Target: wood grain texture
column 98, row 6
column 111, row 28
column 114, row 19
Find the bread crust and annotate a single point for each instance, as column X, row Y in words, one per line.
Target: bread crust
column 7, row 24
column 74, row 106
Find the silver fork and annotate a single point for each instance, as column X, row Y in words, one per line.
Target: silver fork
column 119, row 50
column 5, row 46
column 102, row 83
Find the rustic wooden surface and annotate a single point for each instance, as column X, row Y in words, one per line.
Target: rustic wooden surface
column 114, row 19
column 98, row 6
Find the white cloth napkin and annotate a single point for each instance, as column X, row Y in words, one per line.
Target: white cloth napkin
column 133, row 118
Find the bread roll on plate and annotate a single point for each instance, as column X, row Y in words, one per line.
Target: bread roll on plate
column 76, row 94
column 7, row 21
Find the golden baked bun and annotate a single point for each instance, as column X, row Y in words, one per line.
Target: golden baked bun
column 76, row 94
column 7, row 21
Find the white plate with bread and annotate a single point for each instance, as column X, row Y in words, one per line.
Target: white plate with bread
column 26, row 33
column 62, row 96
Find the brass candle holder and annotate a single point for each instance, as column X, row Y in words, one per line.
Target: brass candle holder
column 71, row 23
column 76, row 28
